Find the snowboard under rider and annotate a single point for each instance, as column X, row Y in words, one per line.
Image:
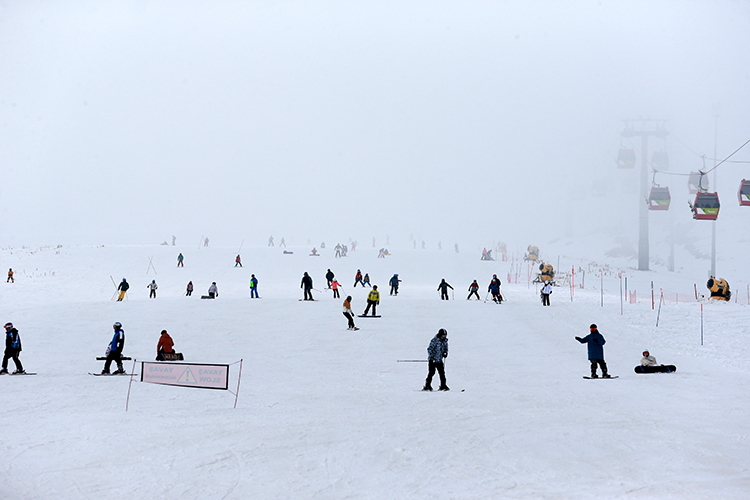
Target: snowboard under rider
column 306, row 285
column 373, row 299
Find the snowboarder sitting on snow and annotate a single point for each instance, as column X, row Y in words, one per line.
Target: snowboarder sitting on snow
column 595, row 342
column 12, row 349
column 165, row 348
column 648, row 359
column 114, row 350
column 437, row 351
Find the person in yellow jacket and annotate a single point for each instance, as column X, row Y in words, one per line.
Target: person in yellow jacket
column 373, row 299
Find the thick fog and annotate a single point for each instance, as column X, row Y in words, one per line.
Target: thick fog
column 470, row 122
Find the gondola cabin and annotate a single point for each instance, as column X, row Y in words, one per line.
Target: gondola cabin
column 697, row 182
column 706, row 206
column 744, row 193
column 626, row 158
column 660, row 160
column 659, row 198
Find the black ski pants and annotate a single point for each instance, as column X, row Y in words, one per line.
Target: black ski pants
column 473, row 292
column 373, row 304
column 113, row 356
column 545, row 299
column 350, row 319
column 308, row 294
column 432, row 366
column 601, row 364
column 11, row 353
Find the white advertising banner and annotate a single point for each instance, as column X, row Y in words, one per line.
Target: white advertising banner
column 186, row 374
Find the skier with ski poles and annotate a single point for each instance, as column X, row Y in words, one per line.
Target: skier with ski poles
column 494, row 289
column 437, row 351
column 443, row 289
column 473, row 288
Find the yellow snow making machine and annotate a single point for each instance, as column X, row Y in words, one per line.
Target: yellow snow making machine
column 546, row 274
column 532, row 253
column 719, row 288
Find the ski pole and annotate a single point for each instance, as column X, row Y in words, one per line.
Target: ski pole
column 411, row 361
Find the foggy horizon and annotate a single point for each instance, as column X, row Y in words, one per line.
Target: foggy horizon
column 130, row 122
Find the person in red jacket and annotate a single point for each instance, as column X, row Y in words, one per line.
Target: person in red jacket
column 165, row 346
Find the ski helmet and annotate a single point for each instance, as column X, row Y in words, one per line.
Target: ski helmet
column 117, row 325
column 442, row 332
column 592, row 327
column 8, row 326
column 645, row 353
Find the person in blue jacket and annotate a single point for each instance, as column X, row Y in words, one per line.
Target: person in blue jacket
column 437, row 351
column 394, row 281
column 114, row 350
column 595, row 342
column 12, row 349
column 253, row 287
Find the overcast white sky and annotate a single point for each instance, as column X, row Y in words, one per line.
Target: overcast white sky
column 128, row 122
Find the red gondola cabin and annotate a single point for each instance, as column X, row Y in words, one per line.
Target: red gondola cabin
column 744, row 193
column 706, row 206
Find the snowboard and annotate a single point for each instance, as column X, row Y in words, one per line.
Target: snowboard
column 363, row 316
column 656, row 369
column 602, row 378
column 113, row 374
column 104, row 358
column 24, row 373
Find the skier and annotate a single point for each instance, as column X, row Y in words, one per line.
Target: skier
column 10, row 276
column 124, row 285
column 12, row 349
column 373, row 299
column 270, row 241
column 307, row 284
column 348, row 314
column 443, row 289
column 473, row 288
column 358, row 279
column 437, row 351
column 152, row 286
column 366, row 281
column 337, row 249
column 494, row 288
column 237, row 261
column 329, row 277
column 205, row 242
column 189, row 290
column 164, row 346
column 394, row 281
column 114, row 350
column 546, row 291
column 253, row 287
column 335, row 286
column 283, row 243
column 595, row 342
column 180, row 258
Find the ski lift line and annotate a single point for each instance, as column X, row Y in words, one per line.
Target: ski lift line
column 725, row 160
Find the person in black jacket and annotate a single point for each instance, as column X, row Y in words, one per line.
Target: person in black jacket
column 12, row 349
column 437, row 351
column 443, row 289
column 307, row 285
column 124, row 285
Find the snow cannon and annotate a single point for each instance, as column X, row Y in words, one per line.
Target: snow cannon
column 719, row 288
column 532, row 253
column 546, row 274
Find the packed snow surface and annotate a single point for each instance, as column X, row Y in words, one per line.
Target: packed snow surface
column 323, row 412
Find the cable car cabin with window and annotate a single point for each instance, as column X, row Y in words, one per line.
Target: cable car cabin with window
column 697, row 182
column 706, row 206
column 744, row 193
column 659, row 198
column 626, row 158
